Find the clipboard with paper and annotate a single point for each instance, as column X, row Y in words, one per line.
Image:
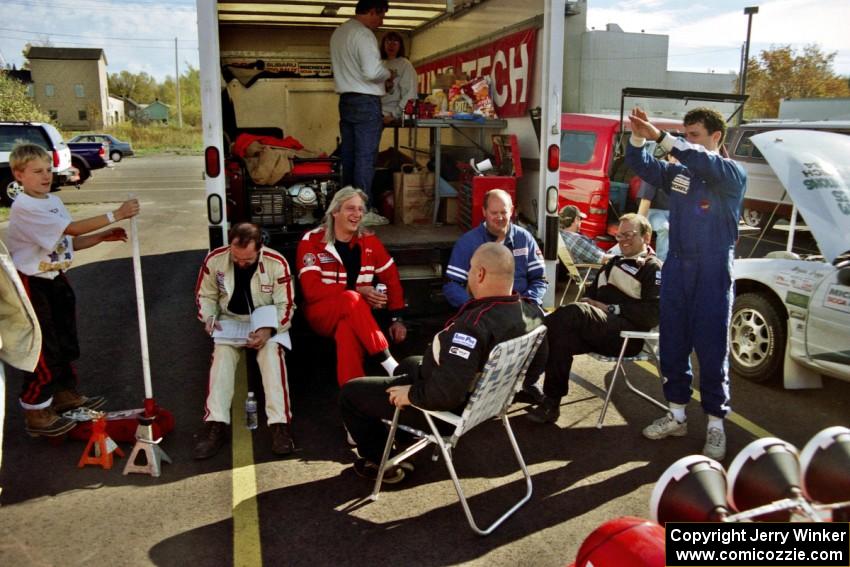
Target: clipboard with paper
column 235, row 333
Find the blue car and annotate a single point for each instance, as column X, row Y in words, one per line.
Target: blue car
column 117, row 149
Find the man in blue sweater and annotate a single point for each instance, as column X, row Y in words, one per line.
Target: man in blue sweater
column 529, row 276
column 705, row 191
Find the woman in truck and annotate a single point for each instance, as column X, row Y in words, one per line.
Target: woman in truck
column 401, row 87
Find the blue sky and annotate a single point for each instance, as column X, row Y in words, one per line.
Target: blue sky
column 138, row 35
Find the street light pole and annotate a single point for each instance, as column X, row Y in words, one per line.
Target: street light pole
column 748, row 11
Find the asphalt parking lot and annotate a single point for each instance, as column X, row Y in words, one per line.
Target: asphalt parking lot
column 244, row 507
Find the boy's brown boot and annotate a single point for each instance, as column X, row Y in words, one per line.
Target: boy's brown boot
column 65, row 400
column 45, row 423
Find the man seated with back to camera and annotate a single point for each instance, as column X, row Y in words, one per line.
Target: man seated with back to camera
column 444, row 377
column 623, row 297
column 529, row 274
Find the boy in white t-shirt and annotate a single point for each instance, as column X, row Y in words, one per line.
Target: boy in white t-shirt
column 42, row 239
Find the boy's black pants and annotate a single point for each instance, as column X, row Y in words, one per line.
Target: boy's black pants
column 54, row 303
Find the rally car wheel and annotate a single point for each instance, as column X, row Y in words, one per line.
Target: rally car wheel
column 757, row 337
column 752, row 217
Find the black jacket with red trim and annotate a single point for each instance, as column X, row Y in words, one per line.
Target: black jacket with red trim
column 322, row 273
column 458, row 353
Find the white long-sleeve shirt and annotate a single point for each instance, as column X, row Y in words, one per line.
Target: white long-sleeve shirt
column 356, row 60
column 404, row 87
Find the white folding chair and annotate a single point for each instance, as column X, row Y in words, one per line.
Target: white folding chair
column 578, row 274
column 494, row 390
column 649, row 352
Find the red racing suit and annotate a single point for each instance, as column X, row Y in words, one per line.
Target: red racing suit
column 335, row 311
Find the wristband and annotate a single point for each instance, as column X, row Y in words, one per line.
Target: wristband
column 110, row 216
column 397, row 320
column 660, row 137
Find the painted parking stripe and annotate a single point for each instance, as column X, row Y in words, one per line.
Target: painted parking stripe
column 246, row 520
column 755, row 430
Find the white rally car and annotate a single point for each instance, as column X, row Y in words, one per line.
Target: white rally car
column 791, row 316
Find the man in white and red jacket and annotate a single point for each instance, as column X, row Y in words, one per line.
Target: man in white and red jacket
column 234, row 281
column 338, row 266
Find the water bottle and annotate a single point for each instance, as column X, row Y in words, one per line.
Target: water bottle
column 251, row 411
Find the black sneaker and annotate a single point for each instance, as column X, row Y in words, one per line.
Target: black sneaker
column 546, row 412
column 368, row 469
column 531, row 394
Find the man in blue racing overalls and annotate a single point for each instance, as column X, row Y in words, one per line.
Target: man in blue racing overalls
column 706, row 191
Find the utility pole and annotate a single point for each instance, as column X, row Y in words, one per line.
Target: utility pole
column 177, row 87
column 748, row 11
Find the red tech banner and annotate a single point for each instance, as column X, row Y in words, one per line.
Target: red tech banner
column 509, row 62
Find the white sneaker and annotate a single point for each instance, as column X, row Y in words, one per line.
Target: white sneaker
column 665, row 426
column 715, row 444
column 373, row 219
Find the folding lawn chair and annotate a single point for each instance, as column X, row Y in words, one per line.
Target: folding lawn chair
column 501, row 378
column 579, row 274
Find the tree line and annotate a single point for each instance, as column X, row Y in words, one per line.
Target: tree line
column 774, row 74
column 145, row 89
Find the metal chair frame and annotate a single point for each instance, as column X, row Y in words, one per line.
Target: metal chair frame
column 574, row 270
column 493, row 393
column 649, row 352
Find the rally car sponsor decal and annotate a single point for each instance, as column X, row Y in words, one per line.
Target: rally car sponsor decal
column 837, row 298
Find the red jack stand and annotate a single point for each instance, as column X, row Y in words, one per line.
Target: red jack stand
column 101, row 445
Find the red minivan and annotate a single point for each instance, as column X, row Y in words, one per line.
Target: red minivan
column 593, row 175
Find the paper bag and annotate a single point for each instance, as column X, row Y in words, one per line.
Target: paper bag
column 413, row 195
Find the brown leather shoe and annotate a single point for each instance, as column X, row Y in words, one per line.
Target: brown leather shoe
column 211, row 440
column 65, row 400
column 45, row 423
column 282, row 443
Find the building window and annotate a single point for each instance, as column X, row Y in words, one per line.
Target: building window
column 54, row 114
column 79, row 90
column 30, row 90
column 82, row 115
column 49, row 90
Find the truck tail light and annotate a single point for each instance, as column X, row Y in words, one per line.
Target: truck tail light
column 211, row 161
column 553, row 158
column 55, row 159
column 102, row 151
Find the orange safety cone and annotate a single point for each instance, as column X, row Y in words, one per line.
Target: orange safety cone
column 100, row 447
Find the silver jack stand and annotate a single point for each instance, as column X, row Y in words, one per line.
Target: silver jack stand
column 154, row 454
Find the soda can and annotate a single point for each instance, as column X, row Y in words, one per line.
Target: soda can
column 381, row 288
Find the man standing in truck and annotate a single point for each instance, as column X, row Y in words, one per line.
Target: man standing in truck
column 706, row 191
column 359, row 78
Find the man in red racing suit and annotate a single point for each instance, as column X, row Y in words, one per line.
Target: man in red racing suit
column 337, row 266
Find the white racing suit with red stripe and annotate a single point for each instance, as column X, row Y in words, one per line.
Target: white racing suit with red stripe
column 271, row 284
column 343, row 314
column 706, row 191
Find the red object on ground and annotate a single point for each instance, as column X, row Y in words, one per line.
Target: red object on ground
column 625, row 541
column 124, row 429
column 98, row 444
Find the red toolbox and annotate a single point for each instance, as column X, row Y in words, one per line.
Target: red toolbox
column 507, row 168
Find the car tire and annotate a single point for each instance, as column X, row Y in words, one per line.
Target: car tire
column 115, row 156
column 84, row 170
column 757, row 338
column 5, row 180
column 752, row 217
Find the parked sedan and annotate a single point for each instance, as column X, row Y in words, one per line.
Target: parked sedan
column 791, row 316
column 117, row 149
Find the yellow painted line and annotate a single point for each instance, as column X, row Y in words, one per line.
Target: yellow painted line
column 246, row 519
column 755, row 430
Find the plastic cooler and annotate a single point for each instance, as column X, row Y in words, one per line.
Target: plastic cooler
column 507, row 163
